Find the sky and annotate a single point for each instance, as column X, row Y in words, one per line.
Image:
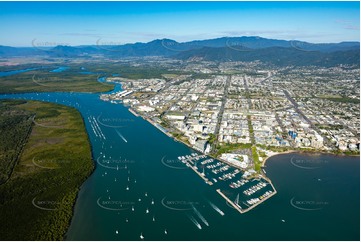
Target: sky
column 90, row 23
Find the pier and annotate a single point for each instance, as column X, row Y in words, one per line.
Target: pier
column 189, row 160
column 230, row 202
column 239, row 209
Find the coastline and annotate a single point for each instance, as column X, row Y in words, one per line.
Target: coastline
column 275, row 154
column 305, row 152
column 94, row 164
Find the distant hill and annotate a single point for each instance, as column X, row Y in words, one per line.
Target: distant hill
column 278, row 56
column 277, row 52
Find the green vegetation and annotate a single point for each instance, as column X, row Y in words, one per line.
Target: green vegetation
column 212, row 139
column 330, row 126
column 329, row 96
column 275, row 148
column 343, row 99
column 132, row 72
column 201, row 76
column 257, row 163
column 164, row 121
column 250, row 127
column 176, row 135
column 15, row 127
column 226, row 148
column 44, row 81
column 53, row 164
column 349, row 152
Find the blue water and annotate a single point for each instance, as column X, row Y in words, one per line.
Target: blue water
column 10, row 73
column 60, row 69
column 321, row 203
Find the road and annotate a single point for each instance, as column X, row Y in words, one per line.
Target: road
column 248, row 96
column 295, row 105
column 221, row 111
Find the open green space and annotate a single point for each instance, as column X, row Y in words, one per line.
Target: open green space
column 36, row 202
column 341, row 99
column 228, row 147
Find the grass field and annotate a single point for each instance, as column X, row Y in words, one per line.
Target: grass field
column 36, row 202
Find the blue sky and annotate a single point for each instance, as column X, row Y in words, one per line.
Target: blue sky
column 84, row 23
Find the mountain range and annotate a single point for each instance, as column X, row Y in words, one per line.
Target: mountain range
column 272, row 51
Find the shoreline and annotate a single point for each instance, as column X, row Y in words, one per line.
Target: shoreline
column 64, row 237
column 305, row 152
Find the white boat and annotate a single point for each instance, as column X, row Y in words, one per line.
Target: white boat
column 152, row 201
column 153, row 219
column 127, row 188
column 216, row 208
column 165, row 231
column 116, row 231
column 147, row 211
column 141, row 236
column 200, row 216
column 146, row 194
column 132, row 208
column 195, row 222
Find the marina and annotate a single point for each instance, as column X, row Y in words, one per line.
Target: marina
column 254, row 190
